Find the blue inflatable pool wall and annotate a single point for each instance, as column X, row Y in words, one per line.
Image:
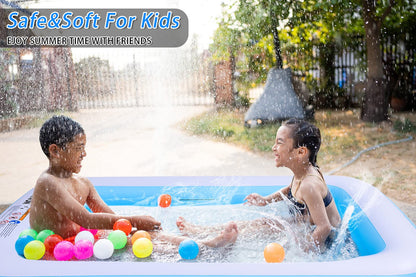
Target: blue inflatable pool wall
column 384, row 236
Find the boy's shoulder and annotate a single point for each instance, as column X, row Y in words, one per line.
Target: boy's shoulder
column 47, row 180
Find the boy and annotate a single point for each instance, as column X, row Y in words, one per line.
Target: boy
column 60, row 195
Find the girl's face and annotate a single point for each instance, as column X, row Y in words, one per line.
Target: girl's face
column 283, row 147
column 73, row 153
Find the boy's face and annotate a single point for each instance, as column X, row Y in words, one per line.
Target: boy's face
column 72, row 153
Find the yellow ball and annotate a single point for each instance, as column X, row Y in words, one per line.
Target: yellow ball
column 34, row 250
column 142, row 248
column 274, row 253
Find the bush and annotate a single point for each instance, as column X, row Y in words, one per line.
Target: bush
column 405, row 126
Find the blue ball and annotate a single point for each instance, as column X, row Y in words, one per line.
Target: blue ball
column 21, row 243
column 188, row 249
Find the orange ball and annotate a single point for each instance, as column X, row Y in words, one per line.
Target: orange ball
column 164, row 200
column 140, row 234
column 123, row 225
column 274, row 253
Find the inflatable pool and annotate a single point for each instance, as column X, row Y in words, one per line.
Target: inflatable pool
column 385, row 237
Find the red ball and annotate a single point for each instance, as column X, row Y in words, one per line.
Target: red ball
column 123, row 225
column 50, row 243
column 164, row 200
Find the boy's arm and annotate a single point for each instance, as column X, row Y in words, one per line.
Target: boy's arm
column 97, row 205
column 94, row 201
column 63, row 202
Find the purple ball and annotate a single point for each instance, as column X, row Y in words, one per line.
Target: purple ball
column 83, row 249
column 64, row 251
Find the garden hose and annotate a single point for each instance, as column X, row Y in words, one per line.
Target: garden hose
column 409, row 138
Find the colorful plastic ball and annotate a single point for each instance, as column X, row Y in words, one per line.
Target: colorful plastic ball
column 29, row 232
column 123, row 225
column 274, row 253
column 103, row 249
column 83, row 249
column 118, row 238
column 44, row 234
column 142, row 248
column 21, row 243
column 50, row 243
column 140, row 234
column 84, row 235
column 92, row 231
column 188, row 249
column 164, row 200
column 34, row 250
column 64, row 251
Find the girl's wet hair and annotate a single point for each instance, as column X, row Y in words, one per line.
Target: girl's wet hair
column 58, row 130
column 305, row 134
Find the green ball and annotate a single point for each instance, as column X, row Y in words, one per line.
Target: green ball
column 29, row 232
column 44, row 234
column 118, row 238
column 34, row 250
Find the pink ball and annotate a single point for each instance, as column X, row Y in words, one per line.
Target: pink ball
column 93, row 231
column 64, row 251
column 83, row 249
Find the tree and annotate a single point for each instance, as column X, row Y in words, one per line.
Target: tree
column 94, row 76
column 259, row 18
column 372, row 15
column 375, row 104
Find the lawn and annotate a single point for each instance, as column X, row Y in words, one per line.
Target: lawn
column 344, row 135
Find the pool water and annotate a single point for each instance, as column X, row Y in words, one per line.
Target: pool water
column 251, row 241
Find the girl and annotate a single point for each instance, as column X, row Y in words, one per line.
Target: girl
column 296, row 147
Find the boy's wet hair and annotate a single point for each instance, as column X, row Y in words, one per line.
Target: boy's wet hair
column 58, row 130
column 305, row 134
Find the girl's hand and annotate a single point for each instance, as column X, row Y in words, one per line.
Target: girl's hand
column 255, row 199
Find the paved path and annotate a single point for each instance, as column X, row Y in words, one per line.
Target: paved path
column 134, row 142
column 129, row 142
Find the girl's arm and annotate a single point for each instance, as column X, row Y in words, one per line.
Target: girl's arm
column 258, row 200
column 313, row 200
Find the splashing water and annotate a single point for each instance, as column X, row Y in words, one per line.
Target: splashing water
column 276, row 225
column 342, row 236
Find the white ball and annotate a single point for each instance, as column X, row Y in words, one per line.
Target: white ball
column 84, row 235
column 103, row 249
